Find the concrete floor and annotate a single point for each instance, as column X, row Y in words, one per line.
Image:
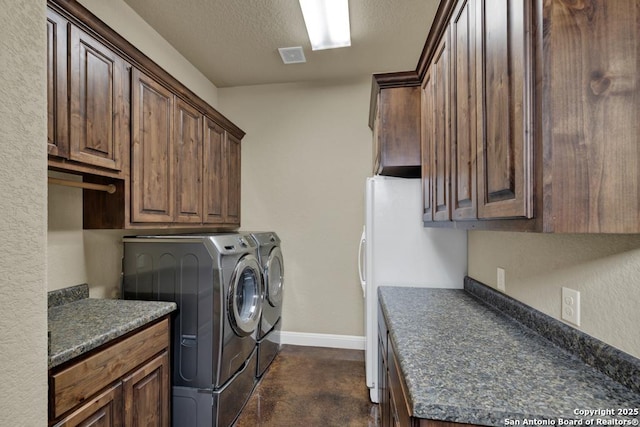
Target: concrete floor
column 312, row 386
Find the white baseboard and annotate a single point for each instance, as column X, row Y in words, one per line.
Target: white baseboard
column 351, row 342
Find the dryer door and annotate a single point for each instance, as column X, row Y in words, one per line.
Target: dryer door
column 274, row 277
column 245, row 303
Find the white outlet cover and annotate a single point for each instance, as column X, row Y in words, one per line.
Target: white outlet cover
column 571, row 306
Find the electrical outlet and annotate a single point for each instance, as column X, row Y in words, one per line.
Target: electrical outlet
column 571, row 306
column 501, row 280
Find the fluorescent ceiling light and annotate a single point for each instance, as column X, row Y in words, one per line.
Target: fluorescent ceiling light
column 327, row 23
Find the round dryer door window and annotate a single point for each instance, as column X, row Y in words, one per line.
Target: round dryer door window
column 245, row 296
column 275, row 277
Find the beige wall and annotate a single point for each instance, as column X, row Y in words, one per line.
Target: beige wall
column 604, row 268
column 126, row 22
column 23, row 321
column 304, row 162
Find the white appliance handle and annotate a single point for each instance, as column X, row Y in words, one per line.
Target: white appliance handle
column 361, row 262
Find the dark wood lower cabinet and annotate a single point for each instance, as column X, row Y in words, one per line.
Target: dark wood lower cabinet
column 394, row 405
column 105, row 410
column 126, row 383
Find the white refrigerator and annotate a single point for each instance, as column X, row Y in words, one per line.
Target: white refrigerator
column 396, row 250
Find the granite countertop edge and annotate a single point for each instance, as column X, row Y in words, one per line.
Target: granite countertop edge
column 81, row 326
column 451, row 404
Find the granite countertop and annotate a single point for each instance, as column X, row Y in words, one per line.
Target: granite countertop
column 80, row 326
column 466, row 362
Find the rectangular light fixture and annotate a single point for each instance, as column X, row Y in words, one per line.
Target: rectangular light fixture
column 327, row 23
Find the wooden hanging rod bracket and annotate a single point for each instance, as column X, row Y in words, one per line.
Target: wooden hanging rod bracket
column 109, row 188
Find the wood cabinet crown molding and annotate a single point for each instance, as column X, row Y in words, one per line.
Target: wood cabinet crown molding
column 114, row 113
column 82, row 17
column 539, row 106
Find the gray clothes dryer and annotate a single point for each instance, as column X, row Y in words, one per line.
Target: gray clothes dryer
column 216, row 281
column 272, row 263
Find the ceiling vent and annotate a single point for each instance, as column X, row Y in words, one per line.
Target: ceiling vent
column 292, row 55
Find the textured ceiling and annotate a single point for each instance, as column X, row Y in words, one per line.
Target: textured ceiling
column 235, row 42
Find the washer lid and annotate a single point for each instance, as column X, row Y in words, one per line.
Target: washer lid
column 244, row 297
column 274, row 277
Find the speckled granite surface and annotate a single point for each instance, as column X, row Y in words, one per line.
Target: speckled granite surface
column 465, row 362
column 67, row 295
column 83, row 325
column 612, row 362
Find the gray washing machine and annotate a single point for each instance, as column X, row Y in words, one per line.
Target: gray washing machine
column 271, row 261
column 216, row 281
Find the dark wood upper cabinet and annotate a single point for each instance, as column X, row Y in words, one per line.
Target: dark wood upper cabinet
column 57, row 103
column 441, row 146
column 544, row 100
column 214, row 161
column 590, row 116
column 221, row 190
column 188, row 160
column 505, row 158
column 88, row 92
column 463, row 110
column 395, row 121
column 98, row 106
column 152, row 152
column 116, row 117
column 232, row 175
column 428, row 144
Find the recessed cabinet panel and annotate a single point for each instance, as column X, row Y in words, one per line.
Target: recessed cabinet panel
column 463, row 111
column 105, row 410
column 232, row 175
column 96, row 94
column 57, row 105
column 188, row 162
column 505, row 155
column 152, row 190
column 146, row 394
column 213, row 172
column 428, row 135
column 441, row 149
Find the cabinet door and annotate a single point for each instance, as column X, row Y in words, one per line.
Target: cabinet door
column 505, row 154
column 96, row 99
column 441, row 149
column 592, row 126
column 187, row 143
column 427, row 142
column 232, row 175
column 57, row 106
column 463, row 111
column 213, row 172
column 105, row 410
column 152, row 188
column 146, row 394
column 398, row 132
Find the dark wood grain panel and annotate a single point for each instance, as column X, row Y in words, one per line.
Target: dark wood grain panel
column 80, row 381
column 505, row 153
column 232, row 175
column 187, row 144
column 152, row 189
column 57, row 103
column 463, row 111
column 104, row 410
column 398, row 132
column 592, row 55
column 441, row 150
column 427, row 140
column 146, row 394
column 214, row 181
column 95, row 98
